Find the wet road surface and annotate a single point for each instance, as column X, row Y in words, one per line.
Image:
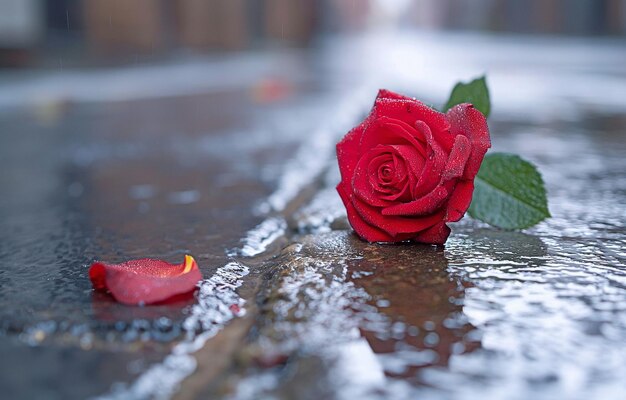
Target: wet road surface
column 496, row 314
column 534, row 314
column 100, row 184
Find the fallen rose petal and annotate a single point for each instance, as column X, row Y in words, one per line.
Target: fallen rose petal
column 145, row 281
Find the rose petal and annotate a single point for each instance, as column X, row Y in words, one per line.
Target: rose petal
column 390, row 131
column 365, row 180
column 374, row 193
column 379, row 182
column 392, row 184
column 146, row 280
column 467, row 121
column 412, row 159
column 364, row 230
column 348, row 153
column 433, row 168
column 388, row 94
column 460, row 200
column 423, row 206
column 410, row 111
column 458, row 158
column 394, row 225
column 437, row 234
column 360, row 180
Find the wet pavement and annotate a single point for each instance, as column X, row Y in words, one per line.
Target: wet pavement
column 97, row 183
column 495, row 314
column 241, row 176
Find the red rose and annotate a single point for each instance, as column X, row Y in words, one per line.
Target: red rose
column 408, row 169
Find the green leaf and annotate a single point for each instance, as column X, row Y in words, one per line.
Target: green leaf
column 474, row 92
column 509, row 193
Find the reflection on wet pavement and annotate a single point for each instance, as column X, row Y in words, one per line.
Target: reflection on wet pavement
column 307, row 309
column 413, row 288
column 117, row 182
column 495, row 314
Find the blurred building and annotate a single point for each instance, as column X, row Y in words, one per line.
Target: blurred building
column 570, row 17
column 115, row 30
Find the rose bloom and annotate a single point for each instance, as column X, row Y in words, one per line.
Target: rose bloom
column 408, row 169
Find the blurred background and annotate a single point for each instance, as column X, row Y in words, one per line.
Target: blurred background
column 70, row 51
column 66, row 33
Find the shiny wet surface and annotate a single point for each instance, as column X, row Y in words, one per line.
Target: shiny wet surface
column 159, row 178
column 496, row 314
column 534, row 314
